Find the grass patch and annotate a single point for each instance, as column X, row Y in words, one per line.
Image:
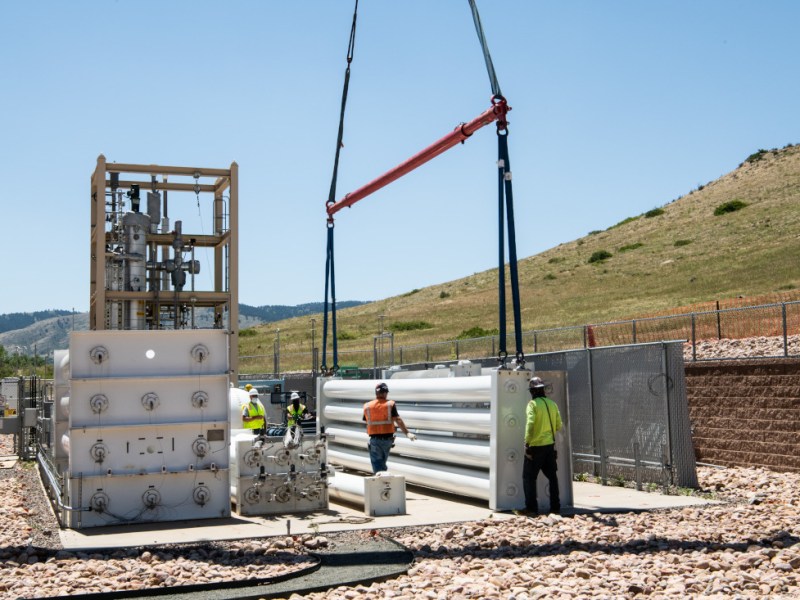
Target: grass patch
column 600, row 256
column 679, row 243
column 249, row 332
column 343, row 336
column 549, row 277
column 411, row 293
column 475, row 332
column 594, row 232
column 556, row 259
column 410, row 325
column 630, row 247
column 729, row 207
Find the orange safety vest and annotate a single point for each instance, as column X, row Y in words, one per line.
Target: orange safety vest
column 379, row 417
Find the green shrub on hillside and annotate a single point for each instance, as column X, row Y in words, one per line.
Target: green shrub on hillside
column 345, row 335
column 623, row 222
column 410, row 325
column 679, row 243
column 653, row 213
column 556, row 259
column 411, row 293
column 549, row 277
column 729, row 207
column 476, row 332
column 443, row 294
column 594, row 232
column 249, row 332
column 630, row 247
column 600, row 256
column 755, row 157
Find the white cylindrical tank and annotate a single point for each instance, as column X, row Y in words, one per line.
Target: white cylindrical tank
column 237, row 399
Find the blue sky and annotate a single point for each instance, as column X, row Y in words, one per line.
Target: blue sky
column 618, row 107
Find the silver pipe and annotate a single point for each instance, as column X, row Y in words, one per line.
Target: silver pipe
column 446, row 449
column 446, row 389
column 462, row 420
column 474, row 484
column 56, row 486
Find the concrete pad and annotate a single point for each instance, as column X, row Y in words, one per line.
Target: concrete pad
column 593, row 497
column 8, row 462
column 423, row 507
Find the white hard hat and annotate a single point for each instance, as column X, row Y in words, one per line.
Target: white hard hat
column 294, row 396
column 254, row 392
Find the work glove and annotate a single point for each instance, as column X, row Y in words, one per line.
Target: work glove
column 412, row 437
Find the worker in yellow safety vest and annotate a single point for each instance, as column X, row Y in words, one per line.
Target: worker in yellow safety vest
column 253, row 413
column 381, row 417
column 296, row 412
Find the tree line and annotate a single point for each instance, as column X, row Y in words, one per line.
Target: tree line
column 17, row 365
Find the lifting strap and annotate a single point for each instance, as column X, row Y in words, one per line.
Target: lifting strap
column 505, row 205
column 330, row 280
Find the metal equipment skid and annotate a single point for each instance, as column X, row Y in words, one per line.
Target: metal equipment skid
column 277, row 475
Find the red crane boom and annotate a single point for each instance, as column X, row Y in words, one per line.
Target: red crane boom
column 497, row 112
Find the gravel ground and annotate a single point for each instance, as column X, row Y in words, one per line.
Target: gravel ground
column 746, row 547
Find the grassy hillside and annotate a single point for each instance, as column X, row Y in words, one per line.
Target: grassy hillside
column 675, row 255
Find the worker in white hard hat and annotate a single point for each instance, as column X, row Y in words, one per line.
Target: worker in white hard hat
column 253, row 413
column 296, row 411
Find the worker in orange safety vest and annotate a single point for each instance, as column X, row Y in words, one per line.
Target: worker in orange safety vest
column 381, row 417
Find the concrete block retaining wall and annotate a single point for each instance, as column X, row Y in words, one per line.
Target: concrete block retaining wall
column 746, row 412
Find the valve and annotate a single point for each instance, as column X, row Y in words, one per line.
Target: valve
column 99, row 502
column 282, row 456
column 200, row 353
column 252, row 458
column 150, row 401
column 98, row 452
column 200, row 447
column 98, row 403
column 252, row 495
column 312, row 492
column 98, row 354
column 201, row 495
column 200, row 399
column 151, row 498
column 283, row 493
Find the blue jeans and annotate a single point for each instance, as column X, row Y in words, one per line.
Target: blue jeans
column 379, row 452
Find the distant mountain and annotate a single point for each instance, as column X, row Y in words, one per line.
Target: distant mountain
column 276, row 312
column 13, row 321
column 44, row 331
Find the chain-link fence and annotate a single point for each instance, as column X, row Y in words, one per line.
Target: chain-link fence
column 773, row 330
column 629, row 416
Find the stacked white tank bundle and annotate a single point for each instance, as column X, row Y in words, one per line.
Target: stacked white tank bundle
column 141, row 427
column 470, row 431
